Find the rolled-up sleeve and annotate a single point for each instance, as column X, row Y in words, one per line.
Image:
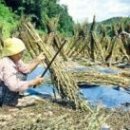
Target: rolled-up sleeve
column 22, row 67
column 12, row 81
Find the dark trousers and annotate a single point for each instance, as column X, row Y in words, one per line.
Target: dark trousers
column 8, row 97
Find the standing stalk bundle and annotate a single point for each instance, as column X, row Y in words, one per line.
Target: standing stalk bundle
column 64, row 82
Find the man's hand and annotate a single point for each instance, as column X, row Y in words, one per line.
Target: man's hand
column 38, row 80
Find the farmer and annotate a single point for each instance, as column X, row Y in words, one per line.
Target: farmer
column 13, row 72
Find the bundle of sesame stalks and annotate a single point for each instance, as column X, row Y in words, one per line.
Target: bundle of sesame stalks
column 67, row 87
column 93, row 77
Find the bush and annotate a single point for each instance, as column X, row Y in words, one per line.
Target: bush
column 8, row 20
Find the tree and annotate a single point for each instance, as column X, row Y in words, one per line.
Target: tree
column 39, row 9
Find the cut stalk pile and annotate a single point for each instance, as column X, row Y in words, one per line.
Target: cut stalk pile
column 99, row 78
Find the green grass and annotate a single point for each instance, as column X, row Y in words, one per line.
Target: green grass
column 8, row 20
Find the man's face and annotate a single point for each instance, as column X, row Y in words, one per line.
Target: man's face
column 17, row 57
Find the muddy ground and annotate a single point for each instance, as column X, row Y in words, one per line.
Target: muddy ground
column 49, row 115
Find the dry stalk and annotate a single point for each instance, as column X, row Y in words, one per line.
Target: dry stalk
column 64, row 82
column 98, row 78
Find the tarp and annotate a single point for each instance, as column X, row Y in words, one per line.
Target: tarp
column 44, row 89
column 102, row 95
column 106, row 96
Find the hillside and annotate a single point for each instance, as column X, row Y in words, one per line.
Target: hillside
column 113, row 26
column 115, row 20
column 45, row 11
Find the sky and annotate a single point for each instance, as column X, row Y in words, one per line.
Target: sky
column 82, row 10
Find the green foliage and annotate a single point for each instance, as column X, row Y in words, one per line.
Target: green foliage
column 7, row 20
column 39, row 9
column 65, row 21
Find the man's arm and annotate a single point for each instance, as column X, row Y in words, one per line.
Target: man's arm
column 27, row 68
column 15, row 84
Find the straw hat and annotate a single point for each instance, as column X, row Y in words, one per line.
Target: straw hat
column 13, row 46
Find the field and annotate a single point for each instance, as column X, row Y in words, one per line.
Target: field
column 88, row 48
column 49, row 115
